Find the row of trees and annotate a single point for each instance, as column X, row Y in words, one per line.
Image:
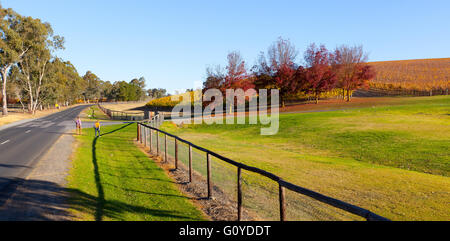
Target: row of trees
column 322, row 71
column 26, row 47
column 98, row 90
column 32, row 75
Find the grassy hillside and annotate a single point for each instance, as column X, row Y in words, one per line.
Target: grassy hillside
column 420, row 75
column 114, row 180
column 393, row 160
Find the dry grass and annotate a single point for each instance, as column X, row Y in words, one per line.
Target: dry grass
column 128, row 107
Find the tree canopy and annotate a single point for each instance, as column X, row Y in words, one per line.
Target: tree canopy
column 32, row 75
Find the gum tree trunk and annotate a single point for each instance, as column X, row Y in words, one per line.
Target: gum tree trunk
column 4, row 100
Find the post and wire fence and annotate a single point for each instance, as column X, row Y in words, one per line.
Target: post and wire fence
column 263, row 195
column 122, row 115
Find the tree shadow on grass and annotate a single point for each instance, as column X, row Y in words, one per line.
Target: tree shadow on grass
column 101, row 193
column 111, row 208
column 36, row 200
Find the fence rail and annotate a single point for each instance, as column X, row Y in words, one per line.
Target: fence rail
column 145, row 132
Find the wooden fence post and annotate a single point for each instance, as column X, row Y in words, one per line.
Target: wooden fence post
column 165, row 148
column 239, row 194
column 142, row 135
column 282, row 204
column 190, row 163
column 157, row 142
column 151, row 140
column 176, row 154
column 145, row 136
column 208, row 169
column 137, row 132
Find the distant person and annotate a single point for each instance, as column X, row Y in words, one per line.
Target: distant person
column 97, row 128
column 78, row 125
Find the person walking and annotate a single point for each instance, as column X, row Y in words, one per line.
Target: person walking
column 97, row 128
column 78, row 125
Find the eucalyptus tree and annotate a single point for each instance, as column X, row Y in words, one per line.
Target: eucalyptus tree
column 33, row 64
column 64, row 83
column 27, row 43
column 14, row 45
column 92, row 86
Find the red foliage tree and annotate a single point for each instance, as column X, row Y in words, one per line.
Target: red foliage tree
column 280, row 72
column 352, row 71
column 319, row 77
column 236, row 77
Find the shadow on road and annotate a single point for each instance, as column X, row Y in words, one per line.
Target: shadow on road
column 46, row 201
column 37, row 200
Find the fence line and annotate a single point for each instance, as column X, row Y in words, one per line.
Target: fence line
column 122, row 115
column 154, row 124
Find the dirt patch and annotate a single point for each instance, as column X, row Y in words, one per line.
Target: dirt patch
column 219, row 208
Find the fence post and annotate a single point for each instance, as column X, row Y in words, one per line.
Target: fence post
column 142, row 137
column 239, row 194
column 165, row 148
column 208, row 168
column 176, row 154
column 145, row 136
column 190, row 163
column 157, row 142
column 282, row 204
column 137, row 131
column 151, row 140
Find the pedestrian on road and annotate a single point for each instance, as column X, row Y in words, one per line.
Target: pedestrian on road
column 78, row 125
column 97, row 128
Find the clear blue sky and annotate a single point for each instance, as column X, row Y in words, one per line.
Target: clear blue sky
column 170, row 43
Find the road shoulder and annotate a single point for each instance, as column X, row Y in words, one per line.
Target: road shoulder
column 42, row 196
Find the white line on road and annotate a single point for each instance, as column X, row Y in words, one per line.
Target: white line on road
column 4, row 142
column 28, row 131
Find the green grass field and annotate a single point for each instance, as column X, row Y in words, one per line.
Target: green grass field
column 112, row 179
column 93, row 113
column 392, row 160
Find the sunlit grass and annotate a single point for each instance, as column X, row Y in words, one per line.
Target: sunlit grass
column 112, row 179
column 393, row 160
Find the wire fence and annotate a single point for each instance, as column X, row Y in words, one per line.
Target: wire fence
column 254, row 193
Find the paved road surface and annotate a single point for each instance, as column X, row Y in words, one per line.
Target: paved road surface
column 23, row 145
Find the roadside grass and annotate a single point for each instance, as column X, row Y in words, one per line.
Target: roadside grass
column 112, row 180
column 126, row 106
column 93, row 113
column 392, row 160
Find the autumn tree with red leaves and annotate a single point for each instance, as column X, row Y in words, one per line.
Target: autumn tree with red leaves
column 318, row 76
column 236, row 76
column 280, row 71
column 350, row 65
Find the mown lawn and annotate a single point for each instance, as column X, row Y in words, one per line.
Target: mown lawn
column 393, row 160
column 112, row 179
column 93, row 113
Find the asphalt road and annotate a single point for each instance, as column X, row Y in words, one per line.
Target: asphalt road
column 22, row 146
